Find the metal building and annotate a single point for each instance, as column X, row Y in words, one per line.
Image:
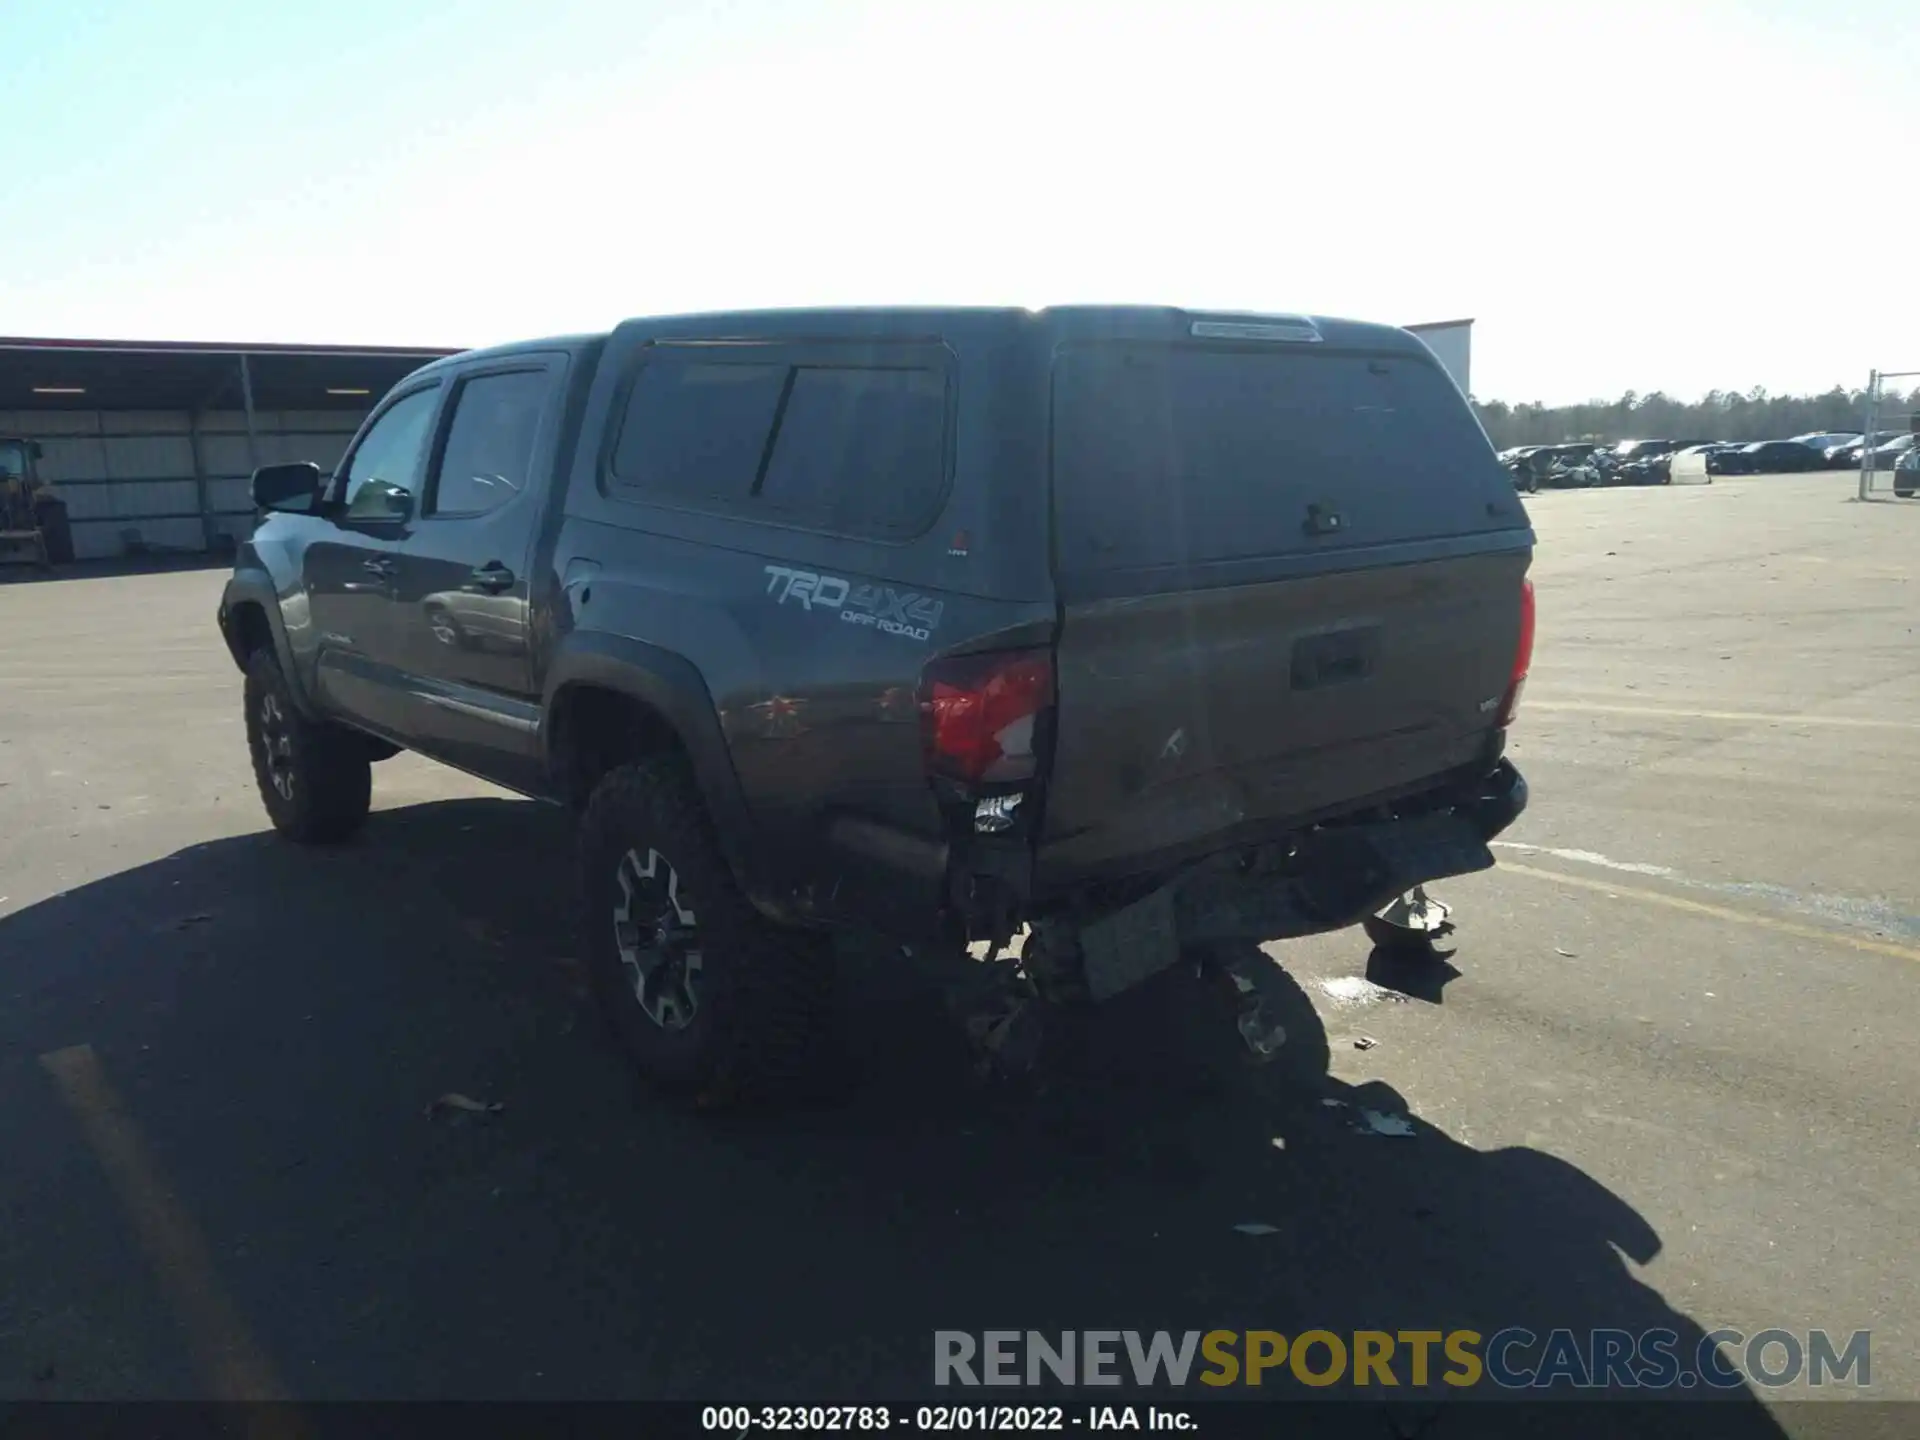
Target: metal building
column 1451, row 342
column 151, row 443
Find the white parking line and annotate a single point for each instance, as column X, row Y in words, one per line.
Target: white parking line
column 232, row 1365
column 1734, row 717
column 1718, row 912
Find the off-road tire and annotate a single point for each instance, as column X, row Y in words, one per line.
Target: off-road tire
column 759, row 1029
column 328, row 780
column 1906, row 494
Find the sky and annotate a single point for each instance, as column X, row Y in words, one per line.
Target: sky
column 1623, row 195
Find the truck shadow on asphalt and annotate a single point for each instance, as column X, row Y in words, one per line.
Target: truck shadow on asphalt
column 280, row 1020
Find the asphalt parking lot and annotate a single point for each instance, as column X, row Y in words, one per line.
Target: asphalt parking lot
column 1665, row 1077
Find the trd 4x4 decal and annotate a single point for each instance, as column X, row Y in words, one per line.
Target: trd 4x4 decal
column 895, row 612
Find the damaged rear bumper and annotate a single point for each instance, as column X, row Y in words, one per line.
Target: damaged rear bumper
column 1332, row 877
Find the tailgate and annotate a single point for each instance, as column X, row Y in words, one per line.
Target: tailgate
column 1290, row 582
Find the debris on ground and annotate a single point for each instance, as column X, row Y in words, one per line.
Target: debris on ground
column 1254, row 1227
column 454, row 1100
column 198, row 918
column 1413, row 920
column 1262, row 1035
column 1358, row 990
column 1364, row 1042
column 1568, row 954
column 1006, row 1039
column 1279, row 1142
column 1378, row 1122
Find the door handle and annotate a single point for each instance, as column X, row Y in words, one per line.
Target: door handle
column 492, row 578
column 382, row 568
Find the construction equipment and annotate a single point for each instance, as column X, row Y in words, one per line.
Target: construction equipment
column 33, row 519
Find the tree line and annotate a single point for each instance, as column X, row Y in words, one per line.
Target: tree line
column 1721, row 415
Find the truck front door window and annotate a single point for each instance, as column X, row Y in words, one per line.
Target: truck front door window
column 383, row 474
column 489, row 446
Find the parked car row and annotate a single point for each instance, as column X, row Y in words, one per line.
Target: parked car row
column 1887, row 447
column 1650, row 462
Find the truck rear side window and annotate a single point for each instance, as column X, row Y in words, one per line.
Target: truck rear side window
column 695, row 432
column 821, row 437
column 860, row 450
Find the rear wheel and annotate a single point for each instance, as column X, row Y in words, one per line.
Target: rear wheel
column 314, row 778
column 710, row 1001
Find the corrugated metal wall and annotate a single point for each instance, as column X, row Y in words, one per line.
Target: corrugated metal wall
column 167, row 479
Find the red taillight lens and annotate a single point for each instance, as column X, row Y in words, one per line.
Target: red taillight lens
column 979, row 714
column 1522, row 657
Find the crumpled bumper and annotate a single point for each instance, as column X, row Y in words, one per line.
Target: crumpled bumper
column 1336, row 877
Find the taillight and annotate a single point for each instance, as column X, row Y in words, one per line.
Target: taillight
column 1522, row 657
column 979, row 714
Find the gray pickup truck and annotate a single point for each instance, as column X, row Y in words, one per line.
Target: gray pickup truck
column 1126, row 629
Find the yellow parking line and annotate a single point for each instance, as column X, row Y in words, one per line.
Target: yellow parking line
column 232, row 1365
column 1719, row 912
column 1738, row 717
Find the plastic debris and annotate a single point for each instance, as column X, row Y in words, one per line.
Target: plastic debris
column 1570, row 955
column 1364, row 1042
column 1262, row 1035
column 1378, row 1122
column 1254, row 1227
column 1006, row 1040
column 1418, row 913
column 454, row 1100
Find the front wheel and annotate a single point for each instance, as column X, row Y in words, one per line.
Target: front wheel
column 710, row 1001
column 314, row 778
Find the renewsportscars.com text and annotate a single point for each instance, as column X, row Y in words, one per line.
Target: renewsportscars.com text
column 1514, row 1358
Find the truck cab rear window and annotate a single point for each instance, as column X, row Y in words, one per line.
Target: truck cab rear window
column 857, row 449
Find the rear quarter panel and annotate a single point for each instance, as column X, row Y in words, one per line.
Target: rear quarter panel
column 816, row 700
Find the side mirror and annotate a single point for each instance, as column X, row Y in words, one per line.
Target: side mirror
column 399, row 503
column 378, row 500
column 293, row 488
column 36, row 451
